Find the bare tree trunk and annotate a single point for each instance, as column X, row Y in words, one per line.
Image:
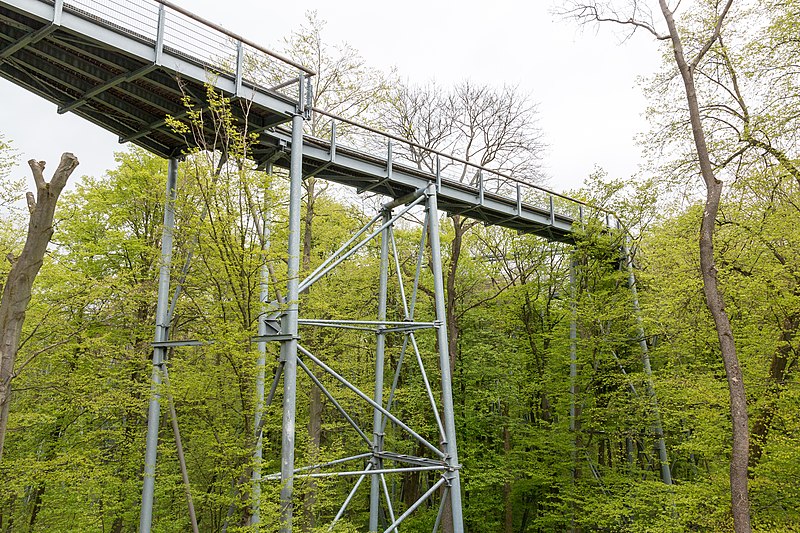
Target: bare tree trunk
column 452, row 295
column 308, row 222
column 740, row 502
column 778, row 369
column 17, row 290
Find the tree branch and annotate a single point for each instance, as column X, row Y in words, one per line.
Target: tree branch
column 37, row 169
column 717, row 29
column 592, row 13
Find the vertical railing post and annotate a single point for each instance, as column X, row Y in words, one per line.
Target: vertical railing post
column 58, row 10
column 333, row 141
column 239, row 76
column 159, row 352
column 159, row 48
column 438, row 173
column 480, row 188
column 289, row 320
column 377, row 418
column 453, row 477
column 389, row 158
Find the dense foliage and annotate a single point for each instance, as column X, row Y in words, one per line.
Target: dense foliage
column 74, row 456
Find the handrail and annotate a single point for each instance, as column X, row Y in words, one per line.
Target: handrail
column 131, row 11
column 179, row 31
column 235, row 36
column 459, row 160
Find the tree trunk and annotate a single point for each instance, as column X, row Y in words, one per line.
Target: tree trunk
column 17, row 290
column 508, row 507
column 37, row 505
column 777, row 377
column 315, row 395
column 308, row 223
column 740, row 503
column 452, row 270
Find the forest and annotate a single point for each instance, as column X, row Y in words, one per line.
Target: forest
column 623, row 424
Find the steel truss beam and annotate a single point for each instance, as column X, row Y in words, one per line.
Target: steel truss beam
column 285, row 327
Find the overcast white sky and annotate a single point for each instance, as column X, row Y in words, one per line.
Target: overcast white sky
column 583, row 79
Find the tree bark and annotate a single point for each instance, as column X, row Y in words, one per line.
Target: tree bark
column 508, row 507
column 778, row 369
column 452, row 294
column 17, row 289
column 315, row 394
column 740, row 502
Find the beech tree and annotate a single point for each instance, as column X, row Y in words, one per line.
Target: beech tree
column 639, row 16
column 486, row 126
column 483, row 125
column 18, row 285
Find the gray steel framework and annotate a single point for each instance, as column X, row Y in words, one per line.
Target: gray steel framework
column 159, row 350
column 284, row 327
column 443, row 458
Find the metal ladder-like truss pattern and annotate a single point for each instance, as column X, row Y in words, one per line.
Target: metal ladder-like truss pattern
column 378, row 460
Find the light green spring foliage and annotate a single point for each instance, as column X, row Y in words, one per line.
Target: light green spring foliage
column 10, row 190
column 11, row 195
column 74, row 458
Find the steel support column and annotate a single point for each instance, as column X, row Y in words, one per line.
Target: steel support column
column 449, row 446
column 289, row 320
column 573, row 372
column 159, row 351
column 573, row 351
column 377, row 419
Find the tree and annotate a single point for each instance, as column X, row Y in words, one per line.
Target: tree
column 485, row 126
column 18, row 285
column 482, row 125
column 8, row 189
column 81, row 385
column 747, row 91
column 638, row 15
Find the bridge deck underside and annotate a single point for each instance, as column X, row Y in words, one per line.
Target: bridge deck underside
column 120, row 90
column 124, row 82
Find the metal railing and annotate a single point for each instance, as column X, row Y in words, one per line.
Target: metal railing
column 195, row 39
column 442, row 167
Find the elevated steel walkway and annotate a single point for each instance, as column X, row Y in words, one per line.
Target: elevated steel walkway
column 127, row 65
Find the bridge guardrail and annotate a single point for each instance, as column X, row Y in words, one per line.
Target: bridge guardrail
column 395, row 150
column 195, row 39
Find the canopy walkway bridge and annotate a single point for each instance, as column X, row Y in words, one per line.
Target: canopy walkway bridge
column 126, row 65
